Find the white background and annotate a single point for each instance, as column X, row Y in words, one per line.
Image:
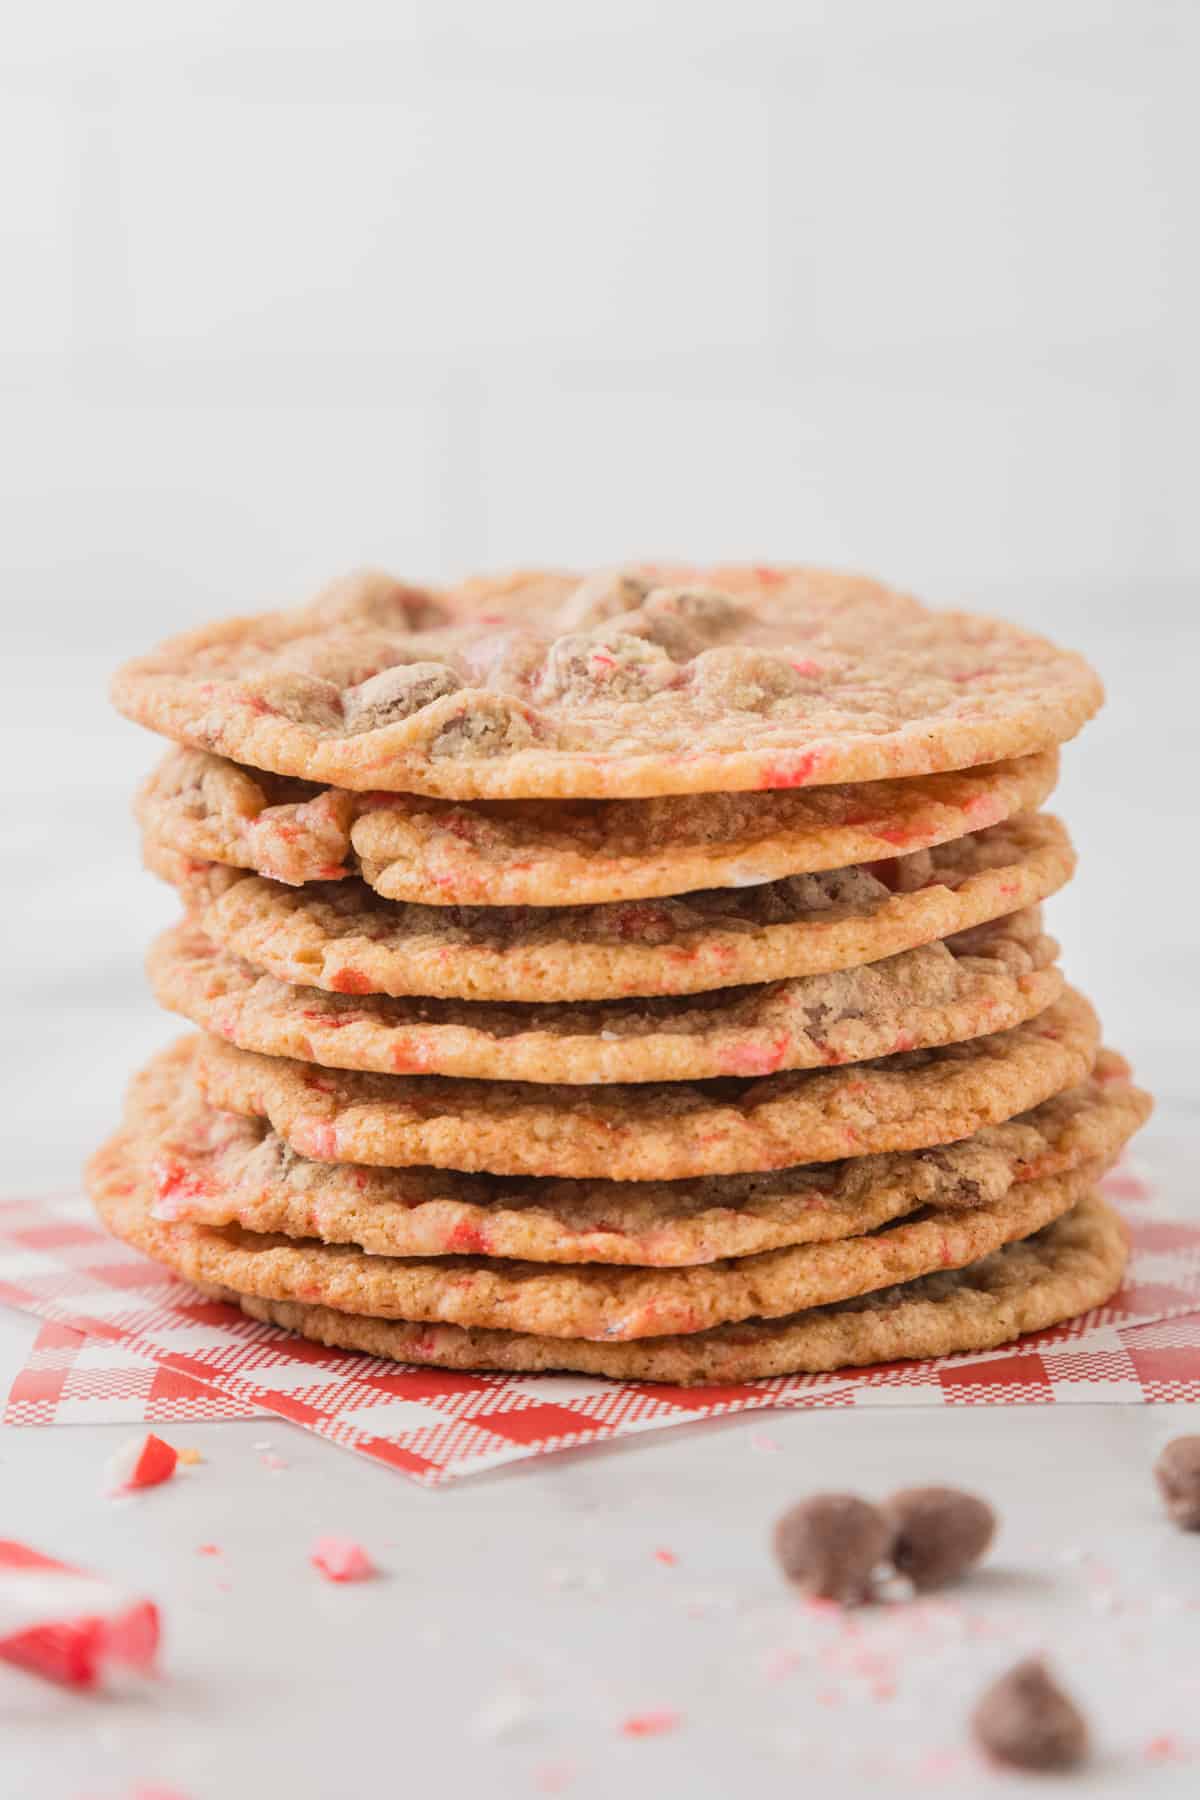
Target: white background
column 904, row 287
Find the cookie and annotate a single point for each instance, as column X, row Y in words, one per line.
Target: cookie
column 984, row 980
column 598, row 1302
column 659, row 1131
column 205, row 809
column 217, row 1168
column 562, row 853
column 647, row 681
column 1073, row 1265
column 580, row 852
column 342, row 937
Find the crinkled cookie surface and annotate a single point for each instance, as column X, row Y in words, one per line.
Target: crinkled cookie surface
column 598, row 1302
column 984, row 980
column 219, row 1168
column 1072, row 1265
column 658, row 1130
column 563, row 852
column 343, row 937
column 643, row 681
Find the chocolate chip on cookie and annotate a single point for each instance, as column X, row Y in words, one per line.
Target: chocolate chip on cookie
column 939, row 1533
column 830, row 1545
column 1177, row 1473
column 397, row 693
column 1026, row 1719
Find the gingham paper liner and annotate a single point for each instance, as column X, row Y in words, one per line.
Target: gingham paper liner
column 436, row 1425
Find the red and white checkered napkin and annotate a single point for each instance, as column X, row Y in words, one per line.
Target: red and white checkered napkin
column 131, row 1342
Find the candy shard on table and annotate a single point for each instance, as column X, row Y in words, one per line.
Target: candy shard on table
column 140, row 1463
column 341, row 1559
column 68, row 1626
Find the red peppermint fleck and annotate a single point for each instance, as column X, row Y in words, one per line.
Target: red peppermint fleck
column 667, row 1557
column 350, row 981
column 318, row 1139
column 332, row 1021
column 175, row 1184
column 896, row 834
column 1164, row 1748
column 791, row 771
column 468, row 1239
column 755, row 1059
column 651, row 1724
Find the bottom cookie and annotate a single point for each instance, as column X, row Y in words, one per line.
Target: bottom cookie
column 1074, row 1264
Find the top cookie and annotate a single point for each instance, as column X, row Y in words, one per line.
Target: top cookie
column 649, row 680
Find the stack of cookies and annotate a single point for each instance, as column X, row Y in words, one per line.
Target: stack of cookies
column 642, row 975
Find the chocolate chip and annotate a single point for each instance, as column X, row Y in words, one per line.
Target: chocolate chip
column 1177, row 1473
column 830, row 1545
column 602, row 596
column 292, row 694
column 938, row 1533
column 485, row 725
column 1025, row 1719
column 397, row 693
column 583, row 665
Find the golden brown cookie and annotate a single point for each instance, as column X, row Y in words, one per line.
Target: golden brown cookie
column 585, row 852
column 218, row 1168
column 646, row 681
column 659, row 1131
column 344, row 938
column 595, row 1301
column 987, row 979
column 563, row 853
column 205, row 809
column 1072, row 1265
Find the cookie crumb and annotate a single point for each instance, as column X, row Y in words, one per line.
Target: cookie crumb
column 1025, row 1719
column 830, row 1545
column 1177, row 1473
column 938, row 1533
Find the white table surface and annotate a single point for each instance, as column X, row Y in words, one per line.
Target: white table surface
column 519, row 1617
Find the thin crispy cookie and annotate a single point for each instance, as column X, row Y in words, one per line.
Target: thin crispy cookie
column 1073, row 1265
column 648, row 681
column 659, row 1131
column 597, row 1302
column 984, row 980
column 219, row 1168
column 342, row 937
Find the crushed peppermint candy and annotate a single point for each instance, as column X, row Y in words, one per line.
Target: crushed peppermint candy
column 68, row 1626
column 141, row 1463
column 341, row 1559
column 651, row 1724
